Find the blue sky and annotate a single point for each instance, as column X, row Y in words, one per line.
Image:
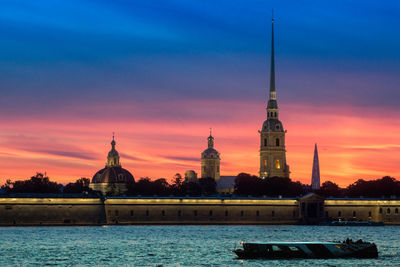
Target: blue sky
column 151, row 50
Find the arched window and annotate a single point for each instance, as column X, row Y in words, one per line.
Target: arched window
column 380, row 210
column 277, row 141
column 396, row 211
column 388, row 211
column 354, row 213
column 369, row 214
column 273, row 213
column 226, row 213
column 257, row 213
column 211, row 213
column 278, row 164
column 265, row 142
column 265, row 163
column 339, row 214
column 275, row 114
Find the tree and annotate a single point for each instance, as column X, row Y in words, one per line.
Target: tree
column 81, row 185
column 386, row 186
column 246, row 184
column 208, row 186
column 36, row 184
column 176, row 186
column 191, row 189
column 144, row 187
column 160, row 187
column 330, row 189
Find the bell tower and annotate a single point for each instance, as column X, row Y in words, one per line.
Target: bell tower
column 272, row 133
column 210, row 161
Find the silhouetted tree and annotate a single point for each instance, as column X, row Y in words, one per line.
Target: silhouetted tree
column 81, row 185
column 144, row 187
column 386, row 186
column 191, row 189
column 176, row 186
column 160, row 187
column 36, row 184
column 246, row 184
column 208, row 186
column 330, row 189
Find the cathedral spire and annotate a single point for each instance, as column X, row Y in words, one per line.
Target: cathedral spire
column 272, row 73
column 315, row 178
column 272, row 107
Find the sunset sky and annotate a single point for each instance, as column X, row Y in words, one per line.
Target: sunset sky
column 161, row 73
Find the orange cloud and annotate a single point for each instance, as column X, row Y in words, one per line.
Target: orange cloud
column 353, row 143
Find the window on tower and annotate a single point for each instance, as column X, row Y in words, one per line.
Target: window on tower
column 265, row 142
column 278, row 164
column 265, row 163
column 277, row 141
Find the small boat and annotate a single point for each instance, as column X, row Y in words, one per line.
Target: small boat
column 289, row 250
column 355, row 223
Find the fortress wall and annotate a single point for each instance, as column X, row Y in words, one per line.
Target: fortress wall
column 94, row 211
column 201, row 211
column 367, row 210
column 51, row 211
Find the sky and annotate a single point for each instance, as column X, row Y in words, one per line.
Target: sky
column 161, row 73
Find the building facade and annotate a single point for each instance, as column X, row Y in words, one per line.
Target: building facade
column 210, row 161
column 272, row 133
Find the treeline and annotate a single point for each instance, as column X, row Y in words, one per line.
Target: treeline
column 245, row 185
column 41, row 184
column 161, row 187
column 385, row 187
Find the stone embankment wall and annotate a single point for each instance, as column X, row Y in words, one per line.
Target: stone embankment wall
column 201, row 211
column 96, row 211
column 386, row 211
column 52, row 211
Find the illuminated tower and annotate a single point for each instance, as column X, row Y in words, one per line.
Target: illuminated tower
column 315, row 179
column 210, row 161
column 272, row 134
column 113, row 156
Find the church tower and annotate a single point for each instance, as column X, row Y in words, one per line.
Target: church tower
column 210, row 161
column 272, row 134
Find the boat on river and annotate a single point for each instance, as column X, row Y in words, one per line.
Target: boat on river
column 353, row 223
column 289, row 250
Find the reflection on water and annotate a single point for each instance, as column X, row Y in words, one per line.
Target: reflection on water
column 178, row 245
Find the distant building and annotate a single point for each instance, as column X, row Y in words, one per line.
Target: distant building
column 272, row 134
column 210, row 161
column 191, row 177
column 315, row 178
column 113, row 179
column 226, row 184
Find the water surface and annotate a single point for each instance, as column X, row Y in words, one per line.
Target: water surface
column 178, row 245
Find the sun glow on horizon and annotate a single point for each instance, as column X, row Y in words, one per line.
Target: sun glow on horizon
column 351, row 147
